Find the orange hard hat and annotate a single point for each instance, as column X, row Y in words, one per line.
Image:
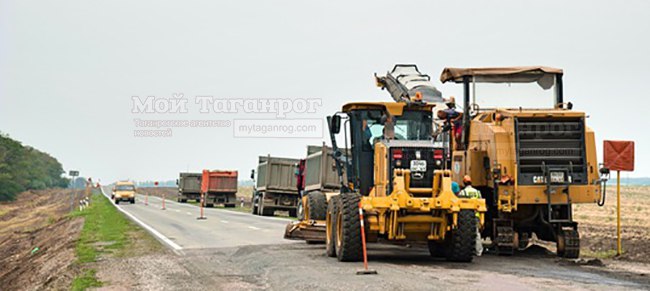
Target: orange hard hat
column 467, row 179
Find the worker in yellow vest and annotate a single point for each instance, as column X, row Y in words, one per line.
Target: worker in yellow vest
column 473, row 193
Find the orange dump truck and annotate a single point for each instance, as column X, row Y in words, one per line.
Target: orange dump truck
column 219, row 187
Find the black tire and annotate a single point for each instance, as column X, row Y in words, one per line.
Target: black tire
column 462, row 240
column 348, row 227
column 436, row 249
column 568, row 244
column 117, row 201
column 254, row 209
column 316, row 205
column 185, row 200
column 330, row 227
column 132, row 201
column 267, row 211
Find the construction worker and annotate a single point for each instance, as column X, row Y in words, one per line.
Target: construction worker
column 473, row 193
column 455, row 188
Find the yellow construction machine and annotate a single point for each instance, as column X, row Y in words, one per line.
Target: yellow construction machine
column 531, row 156
column 395, row 176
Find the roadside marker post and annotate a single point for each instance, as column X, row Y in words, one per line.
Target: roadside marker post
column 365, row 270
column 201, row 206
column 205, row 177
column 155, row 184
column 618, row 156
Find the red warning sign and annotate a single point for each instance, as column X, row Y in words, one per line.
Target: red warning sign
column 619, row 155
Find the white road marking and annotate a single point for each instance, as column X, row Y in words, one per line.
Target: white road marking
column 177, row 210
column 252, row 227
column 224, row 221
column 146, row 226
column 189, row 213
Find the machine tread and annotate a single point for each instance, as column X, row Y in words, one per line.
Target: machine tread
column 316, row 205
column 350, row 249
column 463, row 238
column 330, row 239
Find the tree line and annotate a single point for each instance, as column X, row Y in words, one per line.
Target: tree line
column 24, row 168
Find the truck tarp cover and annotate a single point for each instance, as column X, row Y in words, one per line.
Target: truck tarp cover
column 499, row 75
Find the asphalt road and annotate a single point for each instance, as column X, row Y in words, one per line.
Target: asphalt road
column 239, row 251
column 178, row 226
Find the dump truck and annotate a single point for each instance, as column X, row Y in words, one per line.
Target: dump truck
column 321, row 182
column 275, row 186
column 219, row 187
column 123, row 191
column 395, row 177
column 529, row 153
column 189, row 187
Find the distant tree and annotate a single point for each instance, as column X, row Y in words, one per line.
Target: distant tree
column 24, row 167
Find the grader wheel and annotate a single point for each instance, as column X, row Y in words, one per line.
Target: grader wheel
column 316, row 205
column 330, row 224
column 348, row 228
column 462, row 242
column 568, row 244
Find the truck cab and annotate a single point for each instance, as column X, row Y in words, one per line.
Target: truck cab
column 124, row 191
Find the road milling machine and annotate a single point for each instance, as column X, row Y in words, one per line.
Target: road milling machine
column 531, row 156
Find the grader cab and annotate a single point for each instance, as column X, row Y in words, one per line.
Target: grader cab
column 529, row 153
column 391, row 169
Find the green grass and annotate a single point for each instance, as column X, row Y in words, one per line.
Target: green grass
column 105, row 231
column 85, row 281
column 608, row 254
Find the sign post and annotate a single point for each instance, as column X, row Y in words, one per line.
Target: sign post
column 73, row 174
column 618, row 156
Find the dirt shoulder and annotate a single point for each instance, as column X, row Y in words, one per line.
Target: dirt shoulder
column 597, row 225
column 37, row 240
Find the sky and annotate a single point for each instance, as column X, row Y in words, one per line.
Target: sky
column 69, row 71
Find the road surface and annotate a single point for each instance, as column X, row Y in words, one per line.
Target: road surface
column 239, row 251
column 178, row 223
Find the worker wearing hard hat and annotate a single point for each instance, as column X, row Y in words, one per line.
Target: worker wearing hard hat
column 472, row 193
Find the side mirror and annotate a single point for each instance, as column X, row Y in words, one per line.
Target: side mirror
column 335, row 124
column 253, row 174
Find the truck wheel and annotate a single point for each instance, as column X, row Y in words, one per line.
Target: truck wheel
column 254, row 206
column 316, row 205
column 568, row 244
column 330, row 227
column 267, row 211
column 461, row 244
column 117, row 201
column 132, row 201
column 348, row 228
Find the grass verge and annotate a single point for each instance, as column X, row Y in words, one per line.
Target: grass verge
column 105, row 232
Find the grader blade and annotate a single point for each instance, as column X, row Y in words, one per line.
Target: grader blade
column 305, row 230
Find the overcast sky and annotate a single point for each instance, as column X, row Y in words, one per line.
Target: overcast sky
column 69, row 69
